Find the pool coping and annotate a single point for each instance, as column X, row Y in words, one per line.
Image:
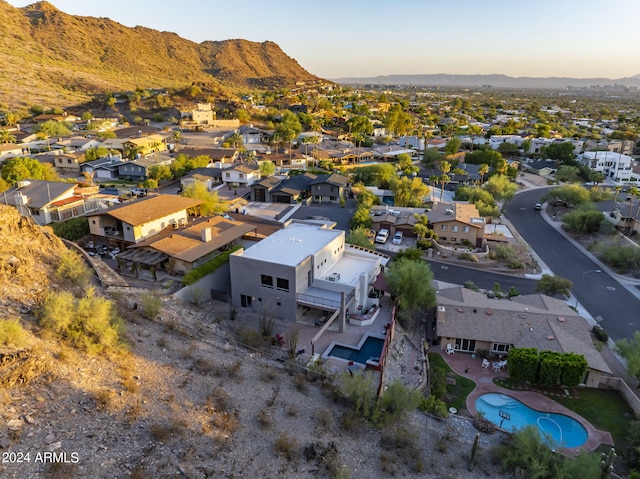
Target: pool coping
column 325, row 355
column 483, row 379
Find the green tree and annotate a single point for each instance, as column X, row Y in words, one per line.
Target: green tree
column 7, row 137
column 360, row 237
column 288, row 128
column 482, row 171
column 431, row 156
column 160, row 172
column 95, row 152
column 570, row 174
column 552, row 285
column 629, row 349
column 573, row 195
column 52, row 128
column 409, row 192
column 361, row 218
column 445, row 168
column 452, row 146
column 381, row 175
column 501, row 187
column 267, row 168
column 583, row 221
column 560, row 152
column 19, row 168
column 212, row 203
column 507, row 148
column 411, row 284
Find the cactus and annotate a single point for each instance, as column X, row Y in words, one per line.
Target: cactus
column 474, row 450
column 606, row 464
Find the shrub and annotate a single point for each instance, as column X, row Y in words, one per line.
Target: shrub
column 12, row 333
column 286, row 445
column 251, row 337
column 433, row 405
column 208, row 267
column 90, row 323
column 424, row 244
column 515, row 264
column 504, row 252
column 398, row 399
column 600, row 334
column 72, row 268
column 72, row 229
column 151, row 304
column 471, row 285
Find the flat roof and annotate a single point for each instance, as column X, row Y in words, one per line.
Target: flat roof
column 291, row 245
column 349, row 268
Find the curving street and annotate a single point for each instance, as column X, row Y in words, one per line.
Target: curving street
column 602, row 294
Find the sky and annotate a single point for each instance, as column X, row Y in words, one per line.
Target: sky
column 364, row 38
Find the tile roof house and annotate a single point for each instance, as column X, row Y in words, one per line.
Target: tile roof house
column 297, row 187
column 45, row 201
column 105, row 168
column 456, row 223
column 472, row 322
column 179, row 249
column 209, row 176
column 242, row 175
column 328, row 188
column 139, row 220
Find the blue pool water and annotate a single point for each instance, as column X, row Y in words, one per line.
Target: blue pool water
column 371, row 348
column 562, row 430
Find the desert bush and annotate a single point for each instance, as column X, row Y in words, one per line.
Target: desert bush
column 251, row 337
column 220, row 399
column 324, row 418
column 163, row 432
column 404, row 445
column 286, row 446
column 471, row 285
column 360, row 391
column 264, row 418
column 515, row 264
column 151, row 304
column 225, row 423
column 104, row 399
column 12, row 333
column 398, row 399
column 72, row 269
column 266, row 322
column 504, row 252
column 90, row 323
column 351, row 423
column 433, row 405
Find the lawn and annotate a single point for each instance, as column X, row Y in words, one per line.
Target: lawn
column 605, row 409
column 456, row 393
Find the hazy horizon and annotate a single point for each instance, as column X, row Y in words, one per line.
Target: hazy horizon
column 572, row 38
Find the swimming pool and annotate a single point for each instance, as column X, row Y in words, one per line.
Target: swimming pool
column 370, row 348
column 511, row 415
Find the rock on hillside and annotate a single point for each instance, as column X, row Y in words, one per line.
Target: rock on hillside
column 28, row 259
column 51, row 59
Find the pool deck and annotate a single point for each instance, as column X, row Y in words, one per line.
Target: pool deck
column 465, row 365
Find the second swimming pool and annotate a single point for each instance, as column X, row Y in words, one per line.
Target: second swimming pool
column 369, row 349
column 510, row 414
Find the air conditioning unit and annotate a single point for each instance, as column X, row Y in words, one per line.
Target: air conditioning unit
column 334, row 277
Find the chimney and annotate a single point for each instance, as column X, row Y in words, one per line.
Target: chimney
column 205, row 234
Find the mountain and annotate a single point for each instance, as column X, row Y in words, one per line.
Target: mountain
column 495, row 81
column 50, row 58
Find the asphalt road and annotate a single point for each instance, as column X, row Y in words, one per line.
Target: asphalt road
column 610, row 303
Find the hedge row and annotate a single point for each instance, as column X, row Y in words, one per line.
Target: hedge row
column 547, row 368
column 209, row 267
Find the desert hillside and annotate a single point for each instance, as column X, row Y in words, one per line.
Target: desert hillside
column 50, row 58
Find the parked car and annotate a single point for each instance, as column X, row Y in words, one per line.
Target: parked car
column 397, row 238
column 382, row 236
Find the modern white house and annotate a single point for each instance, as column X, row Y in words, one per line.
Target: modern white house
column 305, row 267
column 614, row 166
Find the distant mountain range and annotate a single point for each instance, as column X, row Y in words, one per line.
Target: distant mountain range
column 50, row 58
column 493, row 81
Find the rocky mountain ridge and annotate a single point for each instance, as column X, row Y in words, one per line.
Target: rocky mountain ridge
column 52, row 59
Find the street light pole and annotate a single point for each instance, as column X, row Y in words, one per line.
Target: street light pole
column 582, row 283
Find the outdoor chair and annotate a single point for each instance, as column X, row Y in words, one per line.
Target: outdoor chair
column 485, row 363
column 450, row 349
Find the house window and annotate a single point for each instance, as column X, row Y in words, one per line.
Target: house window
column 333, row 198
column 128, row 228
column 453, row 240
column 468, row 345
column 454, row 228
column 228, row 175
column 266, row 281
column 282, row 284
column 333, row 188
column 500, row 348
column 443, row 238
column 93, row 222
column 443, row 227
column 465, row 229
column 69, row 161
column 241, row 175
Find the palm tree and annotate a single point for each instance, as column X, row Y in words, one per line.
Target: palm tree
column 7, row 137
column 633, row 192
column 483, row 170
column 433, row 180
column 177, row 137
column 615, row 197
column 445, row 167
